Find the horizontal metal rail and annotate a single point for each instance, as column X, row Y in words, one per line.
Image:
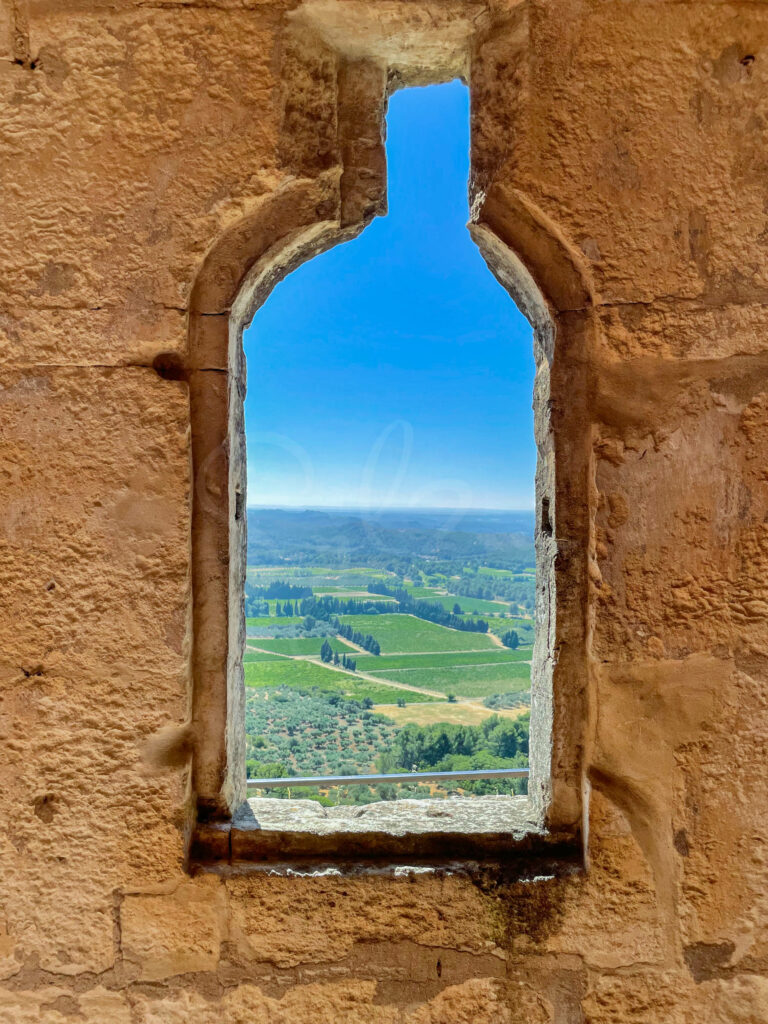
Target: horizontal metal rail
column 368, row 780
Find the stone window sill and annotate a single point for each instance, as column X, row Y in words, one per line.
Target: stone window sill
column 268, row 832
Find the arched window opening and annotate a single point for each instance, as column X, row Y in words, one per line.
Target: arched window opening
column 330, row 187
column 390, row 588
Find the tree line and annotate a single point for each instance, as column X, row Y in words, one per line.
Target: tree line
column 430, row 746
column 367, row 642
column 490, row 588
column 257, row 598
column 327, row 605
column 278, row 588
column 511, row 639
column 432, row 611
column 329, row 656
column 259, row 608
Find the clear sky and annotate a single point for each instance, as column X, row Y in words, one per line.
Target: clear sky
column 394, row 371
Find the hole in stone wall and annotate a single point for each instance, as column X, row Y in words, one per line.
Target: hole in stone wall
column 390, row 586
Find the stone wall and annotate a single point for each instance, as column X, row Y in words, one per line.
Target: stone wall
column 620, row 147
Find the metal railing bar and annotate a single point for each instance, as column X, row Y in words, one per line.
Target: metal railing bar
column 367, row 780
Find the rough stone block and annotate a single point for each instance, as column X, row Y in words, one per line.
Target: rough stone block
column 178, row 932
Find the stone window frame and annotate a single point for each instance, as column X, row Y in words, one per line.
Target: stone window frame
column 547, row 279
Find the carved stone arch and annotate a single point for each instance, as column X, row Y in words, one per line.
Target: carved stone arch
column 549, row 281
column 237, row 276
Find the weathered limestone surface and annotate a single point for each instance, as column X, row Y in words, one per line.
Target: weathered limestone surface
column 623, row 147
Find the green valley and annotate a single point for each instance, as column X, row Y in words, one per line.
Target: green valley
column 399, row 665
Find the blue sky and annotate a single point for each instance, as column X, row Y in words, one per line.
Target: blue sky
column 394, row 371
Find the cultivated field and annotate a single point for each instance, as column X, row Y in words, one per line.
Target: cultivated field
column 254, row 655
column 304, row 716
column 467, row 604
column 387, row 662
column 464, row 713
column 306, row 675
column 464, row 680
column 400, row 634
column 523, row 627
column 318, row 579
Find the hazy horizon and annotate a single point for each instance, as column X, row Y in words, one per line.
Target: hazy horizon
column 284, row 507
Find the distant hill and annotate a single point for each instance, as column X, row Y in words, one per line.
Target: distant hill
column 339, row 537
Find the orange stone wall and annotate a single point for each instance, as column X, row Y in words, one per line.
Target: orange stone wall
column 626, row 142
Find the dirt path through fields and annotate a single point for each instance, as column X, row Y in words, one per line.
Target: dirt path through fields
column 353, row 675
column 440, row 694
